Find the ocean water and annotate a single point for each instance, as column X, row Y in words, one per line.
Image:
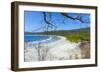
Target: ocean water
column 29, row 38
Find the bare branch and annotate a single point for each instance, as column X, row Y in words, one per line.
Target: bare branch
column 49, row 24
column 79, row 18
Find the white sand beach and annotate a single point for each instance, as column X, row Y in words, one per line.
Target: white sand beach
column 58, row 49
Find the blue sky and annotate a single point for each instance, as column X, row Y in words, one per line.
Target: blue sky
column 34, row 20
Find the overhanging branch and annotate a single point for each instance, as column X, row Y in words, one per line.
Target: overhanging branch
column 79, row 18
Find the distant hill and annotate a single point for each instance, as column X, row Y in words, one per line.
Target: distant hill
column 72, row 35
column 62, row 31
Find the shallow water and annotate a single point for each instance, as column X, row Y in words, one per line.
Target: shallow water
column 29, row 38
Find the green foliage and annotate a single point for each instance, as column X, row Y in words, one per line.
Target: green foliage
column 74, row 35
column 78, row 37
